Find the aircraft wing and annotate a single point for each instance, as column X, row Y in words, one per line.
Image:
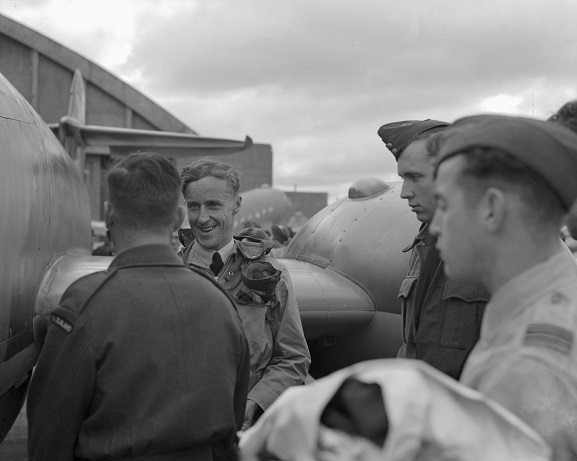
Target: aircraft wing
column 124, row 140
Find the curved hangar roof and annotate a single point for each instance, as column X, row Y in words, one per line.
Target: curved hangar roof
column 42, row 70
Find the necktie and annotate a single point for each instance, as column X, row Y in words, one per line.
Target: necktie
column 217, row 263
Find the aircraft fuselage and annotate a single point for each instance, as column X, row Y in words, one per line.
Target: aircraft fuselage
column 45, row 211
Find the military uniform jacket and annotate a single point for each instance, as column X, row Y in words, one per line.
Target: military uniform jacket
column 441, row 318
column 526, row 358
column 279, row 355
column 127, row 370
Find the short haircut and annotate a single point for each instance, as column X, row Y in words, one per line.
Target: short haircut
column 145, row 189
column 567, row 114
column 486, row 167
column 432, row 137
column 434, row 142
column 208, row 167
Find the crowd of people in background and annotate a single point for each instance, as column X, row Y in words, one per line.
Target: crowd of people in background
column 190, row 337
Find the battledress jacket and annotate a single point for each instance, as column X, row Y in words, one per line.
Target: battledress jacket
column 279, row 355
column 526, row 358
column 441, row 318
column 127, row 369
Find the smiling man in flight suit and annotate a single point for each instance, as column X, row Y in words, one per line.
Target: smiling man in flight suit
column 441, row 317
column 503, row 186
column 127, row 370
column 260, row 284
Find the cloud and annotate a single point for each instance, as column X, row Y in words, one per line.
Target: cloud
column 349, row 48
column 316, row 79
column 88, row 28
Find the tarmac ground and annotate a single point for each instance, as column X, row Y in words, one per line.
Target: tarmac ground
column 15, row 446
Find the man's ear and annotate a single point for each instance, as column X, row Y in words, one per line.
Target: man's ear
column 237, row 205
column 108, row 214
column 493, row 209
column 181, row 214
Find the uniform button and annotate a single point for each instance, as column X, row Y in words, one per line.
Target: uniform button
column 556, row 298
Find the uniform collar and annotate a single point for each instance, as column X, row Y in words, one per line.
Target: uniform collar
column 511, row 299
column 423, row 236
column 146, row 255
column 203, row 256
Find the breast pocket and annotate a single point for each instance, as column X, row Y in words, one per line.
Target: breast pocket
column 463, row 306
column 406, row 311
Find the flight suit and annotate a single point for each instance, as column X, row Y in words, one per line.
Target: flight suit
column 526, row 357
column 279, row 355
column 441, row 318
column 127, row 369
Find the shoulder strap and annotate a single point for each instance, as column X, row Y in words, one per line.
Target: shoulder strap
column 86, row 287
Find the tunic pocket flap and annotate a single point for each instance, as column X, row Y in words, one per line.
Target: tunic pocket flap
column 406, row 287
column 469, row 291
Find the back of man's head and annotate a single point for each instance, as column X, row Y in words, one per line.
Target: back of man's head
column 567, row 115
column 208, row 167
column 144, row 189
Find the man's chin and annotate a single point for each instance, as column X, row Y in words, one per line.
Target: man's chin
column 447, row 270
column 423, row 217
column 455, row 275
column 205, row 240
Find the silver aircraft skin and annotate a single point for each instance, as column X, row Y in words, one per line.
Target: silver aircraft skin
column 346, row 262
column 347, row 265
column 45, row 212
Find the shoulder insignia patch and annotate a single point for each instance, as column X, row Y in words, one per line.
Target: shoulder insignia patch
column 57, row 320
column 549, row 336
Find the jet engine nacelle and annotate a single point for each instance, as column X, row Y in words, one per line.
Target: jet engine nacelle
column 347, row 266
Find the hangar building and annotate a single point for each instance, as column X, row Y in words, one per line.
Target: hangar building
column 42, row 70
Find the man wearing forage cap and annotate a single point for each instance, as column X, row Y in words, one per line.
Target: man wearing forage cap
column 441, row 317
column 503, row 186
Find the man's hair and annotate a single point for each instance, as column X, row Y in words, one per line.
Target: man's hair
column 145, row 189
column 208, row 167
column 432, row 138
column 434, row 141
column 485, row 168
column 567, row 114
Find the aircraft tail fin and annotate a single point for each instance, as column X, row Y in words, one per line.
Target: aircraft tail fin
column 77, row 102
column 76, row 115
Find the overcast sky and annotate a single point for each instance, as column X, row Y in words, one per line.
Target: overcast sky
column 317, row 78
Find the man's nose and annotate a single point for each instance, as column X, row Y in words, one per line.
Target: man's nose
column 203, row 216
column 406, row 191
